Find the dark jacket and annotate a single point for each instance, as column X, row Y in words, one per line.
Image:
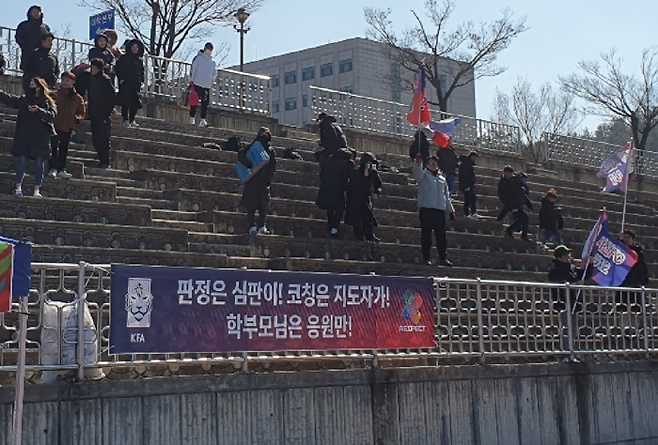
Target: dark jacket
column 256, row 191
column 550, row 217
column 638, row 276
column 101, row 53
column 512, row 192
column 420, row 145
column 102, row 97
column 447, row 160
column 334, row 178
column 71, row 109
column 29, row 35
column 565, row 273
column 43, row 63
column 359, row 193
column 466, row 173
column 130, row 72
column 33, row 130
column 331, row 136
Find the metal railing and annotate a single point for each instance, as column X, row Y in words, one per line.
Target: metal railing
column 478, row 318
column 166, row 78
column 590, row 153
column 387, row 117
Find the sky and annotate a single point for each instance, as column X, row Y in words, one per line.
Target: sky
column 561, row 33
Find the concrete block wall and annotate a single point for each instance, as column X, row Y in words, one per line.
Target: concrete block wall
column 546, row 404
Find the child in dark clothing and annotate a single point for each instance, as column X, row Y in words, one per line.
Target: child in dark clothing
column 550, row 218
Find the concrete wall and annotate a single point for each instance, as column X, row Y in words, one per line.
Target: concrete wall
column 503, row 404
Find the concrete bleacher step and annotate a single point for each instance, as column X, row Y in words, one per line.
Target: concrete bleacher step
column 135, row 192
column 173, row 215
column 152, row 203
column 191, row 226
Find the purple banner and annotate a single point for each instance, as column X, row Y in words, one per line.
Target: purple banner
column 177, row 310
column 612, row 261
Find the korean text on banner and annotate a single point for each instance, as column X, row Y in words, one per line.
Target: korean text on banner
column 175, row 310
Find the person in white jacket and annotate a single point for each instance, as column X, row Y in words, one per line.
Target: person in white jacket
column 202, row 79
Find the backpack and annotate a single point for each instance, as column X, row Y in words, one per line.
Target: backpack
column 234, row 144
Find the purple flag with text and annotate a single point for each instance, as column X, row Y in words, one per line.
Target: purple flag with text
column 601, row 226
column 612, row 260
column 617, row 169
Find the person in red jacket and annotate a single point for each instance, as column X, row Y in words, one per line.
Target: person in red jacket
column 71, row 111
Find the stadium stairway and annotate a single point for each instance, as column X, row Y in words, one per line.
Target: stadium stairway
column 167, row 200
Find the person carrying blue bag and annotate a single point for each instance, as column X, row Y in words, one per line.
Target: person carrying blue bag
column 256, row 190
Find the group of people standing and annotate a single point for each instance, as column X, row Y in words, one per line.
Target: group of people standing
column 48, row 114
column 346, row 190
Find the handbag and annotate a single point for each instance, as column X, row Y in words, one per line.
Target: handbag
column 193, row 98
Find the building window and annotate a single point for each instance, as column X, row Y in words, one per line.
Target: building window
column 291, row 103
column 326, row 70
column 305, row 100
column 274, row 80
column 345, row 66
column 275, row 106
column 290, row 77
column 308, row 73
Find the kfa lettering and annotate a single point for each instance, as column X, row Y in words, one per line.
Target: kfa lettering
column 137, row 338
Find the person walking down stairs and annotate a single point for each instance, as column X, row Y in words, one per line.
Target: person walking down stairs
column 256, row 191
column 71, row 111
column 130, row 72
column 101, row 106
column 202, row 79
column 34, row 127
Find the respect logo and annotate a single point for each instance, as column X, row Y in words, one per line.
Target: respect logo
column 411, row 312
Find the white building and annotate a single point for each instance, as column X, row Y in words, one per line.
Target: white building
column 355, row 65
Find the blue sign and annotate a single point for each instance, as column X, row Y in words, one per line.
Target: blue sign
column 99, row 22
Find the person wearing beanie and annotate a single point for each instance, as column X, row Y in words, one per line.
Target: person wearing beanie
column 334, row 178
column 202, row 78
column 256, row 191
column 29, row 35
column 101, row 50
column 434, row 207
column 43, row 63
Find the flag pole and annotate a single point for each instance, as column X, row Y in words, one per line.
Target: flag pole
column 582, row 278
column 20, row 372
column 626, row 181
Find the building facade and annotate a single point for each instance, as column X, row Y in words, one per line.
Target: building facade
column 358, row 66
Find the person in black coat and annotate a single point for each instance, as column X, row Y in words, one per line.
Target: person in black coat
column 364, row 186
column 256, row 191
column 467, row 183
column 29, row 35
column 421, row 145
column 550, row 218
column 101, row 50
column 638, row 276
column 43, row 63
column 34, row 128
column 448, row 162
column 332, row 138
column 101, row 106
column 333, row 185
column 512, row 195
column 130, row 72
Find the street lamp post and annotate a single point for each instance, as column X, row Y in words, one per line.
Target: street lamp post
column 241, row 16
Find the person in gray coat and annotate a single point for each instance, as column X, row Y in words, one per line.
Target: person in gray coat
column 434, row 206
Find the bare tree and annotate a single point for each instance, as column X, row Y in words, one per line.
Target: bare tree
column 475, row 48
column 536, row 113
column 613, row 93
column 166, row 25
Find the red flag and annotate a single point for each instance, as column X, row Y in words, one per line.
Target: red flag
column 419, row 111
column 6, row 276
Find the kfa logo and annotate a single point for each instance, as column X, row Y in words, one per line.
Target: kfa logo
column 139, row 303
